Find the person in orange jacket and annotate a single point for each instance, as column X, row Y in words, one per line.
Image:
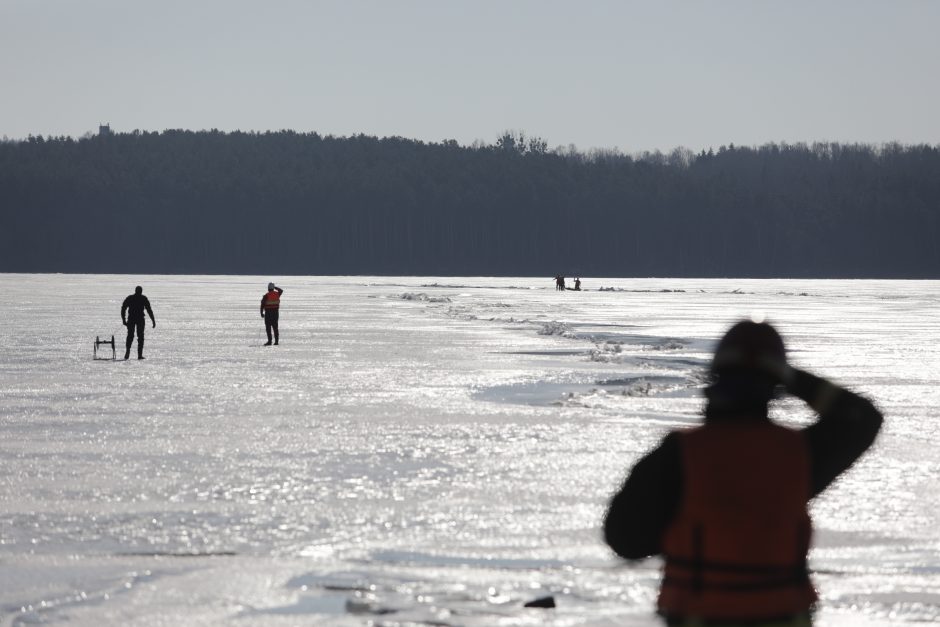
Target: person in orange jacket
column 270, row 311
column 725, row 503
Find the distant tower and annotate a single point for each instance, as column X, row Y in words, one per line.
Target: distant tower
column 104, row 130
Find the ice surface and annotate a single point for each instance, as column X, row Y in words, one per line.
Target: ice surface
column 419, row 450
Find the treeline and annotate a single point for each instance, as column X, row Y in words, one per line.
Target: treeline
column 291, row 203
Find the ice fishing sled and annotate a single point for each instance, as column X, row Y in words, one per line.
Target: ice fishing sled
column 100, row 342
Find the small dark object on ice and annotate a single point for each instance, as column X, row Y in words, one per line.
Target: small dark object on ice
column 100, row 342
column 545, row 602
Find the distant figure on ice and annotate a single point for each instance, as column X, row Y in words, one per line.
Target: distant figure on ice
column 132, row 316
column 560, row 283
column 270, row 308
column 725, row 503
column 577, row 285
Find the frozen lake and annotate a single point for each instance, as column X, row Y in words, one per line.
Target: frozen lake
column 420, row 450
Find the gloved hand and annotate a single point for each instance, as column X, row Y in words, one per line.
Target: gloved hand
column 124, row 322
column 154, row 325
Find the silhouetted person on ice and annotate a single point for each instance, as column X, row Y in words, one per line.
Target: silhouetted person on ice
column 725, row 503
column 559, row 282
column 577, row 285
column 270, row 308
column 132, row 315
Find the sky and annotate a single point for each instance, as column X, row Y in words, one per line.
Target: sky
column 633, row 76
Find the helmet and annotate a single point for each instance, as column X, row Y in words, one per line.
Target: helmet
column 741, row 384
column 270, row 286
column 747, row 346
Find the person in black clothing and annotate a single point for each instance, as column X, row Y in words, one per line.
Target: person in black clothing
column 132, row 316
column 725, row 503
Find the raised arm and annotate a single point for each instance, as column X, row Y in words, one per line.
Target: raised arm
column 846, row 428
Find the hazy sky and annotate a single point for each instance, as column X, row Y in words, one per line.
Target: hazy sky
column 632, row 75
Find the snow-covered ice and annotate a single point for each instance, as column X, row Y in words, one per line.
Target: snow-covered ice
column 420, row 450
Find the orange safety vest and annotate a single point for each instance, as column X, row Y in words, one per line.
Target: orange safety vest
column 272, row 300
column 737, row 548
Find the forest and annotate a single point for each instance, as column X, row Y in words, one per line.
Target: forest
column 289, row 203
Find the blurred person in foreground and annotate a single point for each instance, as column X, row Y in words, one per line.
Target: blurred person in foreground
column 132, row 316
column 725, row 503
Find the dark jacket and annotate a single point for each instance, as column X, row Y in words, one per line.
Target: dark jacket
column 641, row 511
column 134, row 306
